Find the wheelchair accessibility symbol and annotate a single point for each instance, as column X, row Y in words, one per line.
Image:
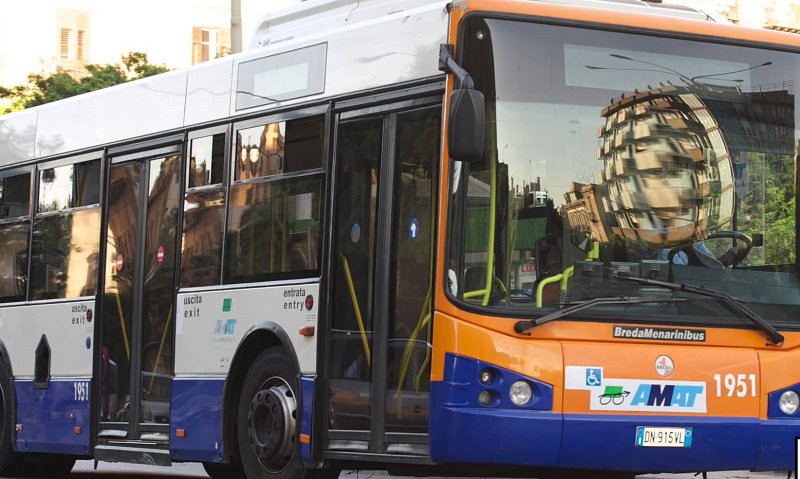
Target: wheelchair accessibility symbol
column 594, row 376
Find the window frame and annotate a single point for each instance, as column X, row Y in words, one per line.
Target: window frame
column 19, row 171
column 64, row 212
column 224, row 186
column 324, row 113
column 227, row 130
column 299, row 114
column 72, row 160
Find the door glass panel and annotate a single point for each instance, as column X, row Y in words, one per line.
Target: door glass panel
column 123, row 201
column 158, row 288
column 203, row 223
column 64, row 254
column 14, row 261
column 409, row 328
column 358, row 162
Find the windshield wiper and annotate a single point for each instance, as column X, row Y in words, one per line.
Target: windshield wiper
column 522, row 326
column 731, row 301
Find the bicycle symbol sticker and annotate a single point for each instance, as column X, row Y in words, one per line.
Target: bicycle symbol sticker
column 613, row 394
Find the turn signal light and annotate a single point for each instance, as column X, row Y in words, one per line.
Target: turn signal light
column 307, row 331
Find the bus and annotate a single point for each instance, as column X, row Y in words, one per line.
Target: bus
column 472, row 237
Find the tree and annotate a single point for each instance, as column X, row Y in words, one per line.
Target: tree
column 45, row 88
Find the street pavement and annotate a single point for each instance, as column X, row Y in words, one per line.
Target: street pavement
column 85, row 470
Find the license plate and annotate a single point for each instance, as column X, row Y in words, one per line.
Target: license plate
column 663, row 436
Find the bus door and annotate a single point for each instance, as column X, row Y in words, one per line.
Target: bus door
column 136, row 353
column 378, row 349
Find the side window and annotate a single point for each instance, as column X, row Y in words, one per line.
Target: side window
column 15, row 223
column 277, row 148
column 204, row 212
column 206, row 161
column 66, row 232
column 276, row 201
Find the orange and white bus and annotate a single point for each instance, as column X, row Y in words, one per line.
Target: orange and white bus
column 485, row 237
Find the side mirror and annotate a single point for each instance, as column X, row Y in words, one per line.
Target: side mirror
column 467, row 125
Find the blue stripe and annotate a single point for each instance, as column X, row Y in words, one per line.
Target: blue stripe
column 607, row 442
column 718, row 443
column 462, row 430
column 306, row 416
column 47, row 417
column 197, row 409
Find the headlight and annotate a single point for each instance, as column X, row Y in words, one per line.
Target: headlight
column 486, row 377
column 521, row 393
column 789, row 402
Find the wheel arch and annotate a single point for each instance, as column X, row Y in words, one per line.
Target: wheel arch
column 5, row 364
column 5, row 360
column 262, row 336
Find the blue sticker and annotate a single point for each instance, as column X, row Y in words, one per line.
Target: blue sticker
column 355, row 233
column 88, row 342
column 594, row 376
column 413, row 229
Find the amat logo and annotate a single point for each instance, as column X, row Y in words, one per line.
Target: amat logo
column 649, row 396
column 666, row 396
column 224, row 330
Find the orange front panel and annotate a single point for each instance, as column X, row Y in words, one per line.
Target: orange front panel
column 539, row 360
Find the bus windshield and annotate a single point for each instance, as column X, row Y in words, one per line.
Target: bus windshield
column 614, row 154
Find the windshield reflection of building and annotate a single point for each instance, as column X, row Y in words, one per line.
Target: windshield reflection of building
column 668, row 174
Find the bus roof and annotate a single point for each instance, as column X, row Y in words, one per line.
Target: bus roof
column 314, row 15
column 404, row 38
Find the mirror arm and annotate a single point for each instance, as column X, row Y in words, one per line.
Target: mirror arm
column 448, row 64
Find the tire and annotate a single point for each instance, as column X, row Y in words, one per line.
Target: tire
column 268, row 418
column 10, row 461
column 45, row 465
column 216, row 470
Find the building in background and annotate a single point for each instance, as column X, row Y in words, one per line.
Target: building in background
column 774, row 14
column 49, row 36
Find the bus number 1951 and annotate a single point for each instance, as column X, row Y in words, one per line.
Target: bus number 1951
column 740, row 384
column 81, row 391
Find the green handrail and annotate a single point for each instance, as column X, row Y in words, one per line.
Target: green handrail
column 356, row 308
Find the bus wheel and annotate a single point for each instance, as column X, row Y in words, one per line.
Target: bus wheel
column 46, row 465
column 9, row 460
column 267, row 418
column 216, row 470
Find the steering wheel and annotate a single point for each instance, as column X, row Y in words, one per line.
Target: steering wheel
column 732, row 257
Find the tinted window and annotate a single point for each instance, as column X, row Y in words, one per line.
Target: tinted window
column 273, row 228
column 614, row 155
column 13, row 261
column 281, row 147
column 15, row 196
column 65, row 255
column 206, row 161
column 69, row 186
column 203, row 218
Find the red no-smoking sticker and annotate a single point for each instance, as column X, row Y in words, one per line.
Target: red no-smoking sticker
column 119, row 262
column 160, row 254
